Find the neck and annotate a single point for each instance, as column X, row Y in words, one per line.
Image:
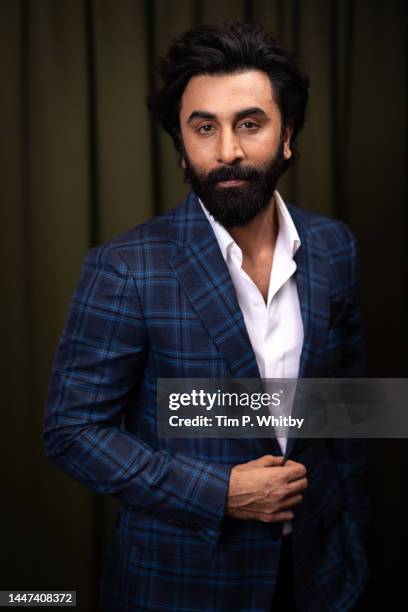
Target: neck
column 258, row 237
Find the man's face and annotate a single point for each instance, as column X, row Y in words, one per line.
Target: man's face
column 234, row 144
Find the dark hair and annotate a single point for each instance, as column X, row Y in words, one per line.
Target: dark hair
column 234, row 47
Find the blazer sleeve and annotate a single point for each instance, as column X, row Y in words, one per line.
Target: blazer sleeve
column 99, row 360
column 350, row 455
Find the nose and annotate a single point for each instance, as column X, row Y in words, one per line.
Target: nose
column 229, row 149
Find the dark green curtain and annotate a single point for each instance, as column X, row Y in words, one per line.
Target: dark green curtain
column 81, row 161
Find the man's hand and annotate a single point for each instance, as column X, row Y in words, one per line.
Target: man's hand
column 265, row 489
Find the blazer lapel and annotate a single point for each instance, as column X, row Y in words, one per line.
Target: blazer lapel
column 204, row 276
column 311, row 279
column 312, row 283
column 304, row 292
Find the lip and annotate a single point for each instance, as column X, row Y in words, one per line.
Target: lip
column 232, row 183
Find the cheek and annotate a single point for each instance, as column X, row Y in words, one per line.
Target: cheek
column 262, row 146
column 199, row 151
column 258, row 154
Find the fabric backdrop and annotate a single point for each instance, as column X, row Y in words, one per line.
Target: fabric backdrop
column 80, row 161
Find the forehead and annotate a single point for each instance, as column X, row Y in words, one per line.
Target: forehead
column 228, row 93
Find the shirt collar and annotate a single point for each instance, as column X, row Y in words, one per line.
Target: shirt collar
column 287, row 230
column 286, row 226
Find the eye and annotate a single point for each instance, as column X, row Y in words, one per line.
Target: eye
column 248, row 125
column 206, row 128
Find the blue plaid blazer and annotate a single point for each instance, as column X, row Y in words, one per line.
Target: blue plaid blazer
column 158, row 301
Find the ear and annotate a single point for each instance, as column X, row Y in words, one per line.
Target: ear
column 287, row 135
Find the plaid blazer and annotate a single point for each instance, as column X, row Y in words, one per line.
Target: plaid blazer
column 158, row 301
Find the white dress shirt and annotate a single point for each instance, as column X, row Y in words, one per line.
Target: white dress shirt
column 275, row 328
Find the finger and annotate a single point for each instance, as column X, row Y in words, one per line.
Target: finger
column 264, row 461
column 296, row 486
column 294, row 470
column 291, row 501
column 285, row 515
column 267, row 461
column 292, row 463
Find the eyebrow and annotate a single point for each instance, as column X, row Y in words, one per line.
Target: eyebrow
column 252, row 110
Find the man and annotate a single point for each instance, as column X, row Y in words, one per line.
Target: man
column 232, row 283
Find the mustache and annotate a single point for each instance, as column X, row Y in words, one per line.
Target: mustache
column 230, row 173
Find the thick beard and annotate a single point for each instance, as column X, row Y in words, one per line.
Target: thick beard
column 236, row 206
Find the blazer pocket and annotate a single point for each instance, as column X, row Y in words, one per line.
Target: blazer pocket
column 147, row 532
